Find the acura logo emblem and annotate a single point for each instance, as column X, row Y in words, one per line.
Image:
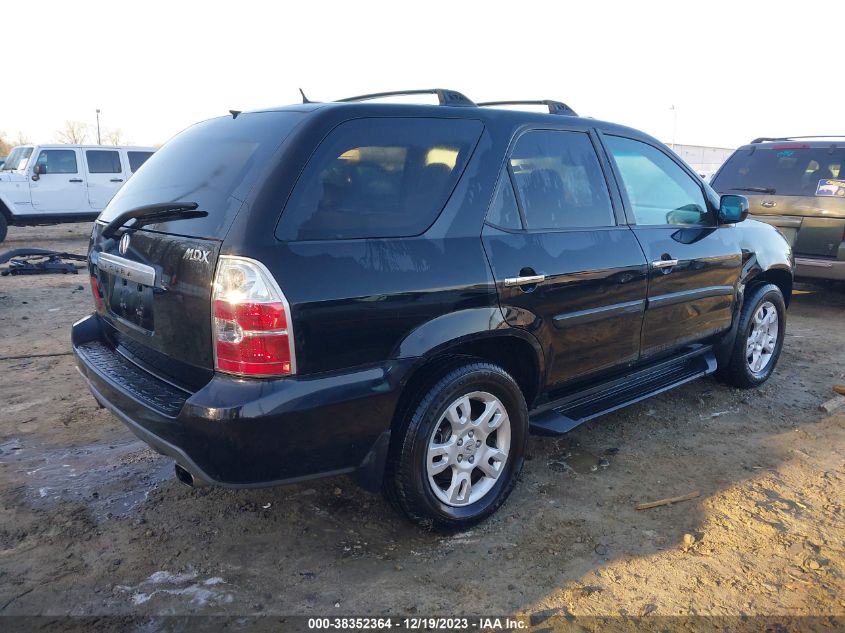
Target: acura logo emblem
column 124, row 244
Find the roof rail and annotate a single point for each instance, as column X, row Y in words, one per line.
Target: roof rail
column 444, row 96
column 765, row 139
column 555, row 107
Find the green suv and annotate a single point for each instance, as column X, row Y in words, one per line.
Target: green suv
column 796, row 184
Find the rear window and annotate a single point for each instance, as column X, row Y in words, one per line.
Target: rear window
column 788, row 170
column 136, row 159
column 379, row 178
column 214, row 163
column 103, row 161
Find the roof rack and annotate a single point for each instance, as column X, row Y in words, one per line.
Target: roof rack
column 765, row 139
column 444, row 96
column 555, row 107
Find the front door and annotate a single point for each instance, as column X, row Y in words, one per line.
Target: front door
column 566, row 269
column 105, row 176
column 694, row 264
column 60, row 187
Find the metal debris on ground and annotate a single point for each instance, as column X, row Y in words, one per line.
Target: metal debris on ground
column 40, row 261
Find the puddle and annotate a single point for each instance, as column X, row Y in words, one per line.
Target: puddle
column 185, row 585
column 110, row 478
column 577, row 461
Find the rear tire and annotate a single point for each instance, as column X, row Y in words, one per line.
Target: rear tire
column 759, row 338
column 457, row 455
column 4, row 227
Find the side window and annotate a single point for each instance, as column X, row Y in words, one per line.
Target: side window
column 503, row 211
column 136, row 159
column 660, row 192
column 379, row 177
column 57, row 161
column 559, row 181
column 103, row 161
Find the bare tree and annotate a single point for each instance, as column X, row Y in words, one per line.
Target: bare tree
column 113, row 136
column 22, row 139
column 74, row 132
column 5, row 145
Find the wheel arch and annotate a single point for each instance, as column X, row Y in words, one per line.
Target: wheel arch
column 514, row 350
column 5, row 210
column 779, row 276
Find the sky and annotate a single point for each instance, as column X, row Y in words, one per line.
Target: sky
column 732, row 70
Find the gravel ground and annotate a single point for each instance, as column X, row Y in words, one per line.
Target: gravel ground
column 93, row 522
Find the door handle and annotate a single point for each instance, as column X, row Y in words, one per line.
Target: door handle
column 116, row 180
column 664, row 263
column 527, row 280
column 75, row 180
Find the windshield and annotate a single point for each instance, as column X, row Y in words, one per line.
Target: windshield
column 17, row 159
column 784, row 170
column 214, row 163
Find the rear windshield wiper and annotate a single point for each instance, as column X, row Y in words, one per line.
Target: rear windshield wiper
column 768, row 190
column 150, row 213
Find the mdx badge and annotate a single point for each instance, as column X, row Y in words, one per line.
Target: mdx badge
column 123, row 246
column 196, row 255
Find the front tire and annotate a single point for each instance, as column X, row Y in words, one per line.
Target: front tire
column 457, row 456
column 759, row 338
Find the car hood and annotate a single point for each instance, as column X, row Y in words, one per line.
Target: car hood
column 11, row 176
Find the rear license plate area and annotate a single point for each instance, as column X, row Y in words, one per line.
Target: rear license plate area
column 132, row 302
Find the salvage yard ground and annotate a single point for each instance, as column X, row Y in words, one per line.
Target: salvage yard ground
column 93, row 522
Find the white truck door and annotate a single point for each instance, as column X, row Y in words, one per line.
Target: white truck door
column 60, row 187
column 105, row 176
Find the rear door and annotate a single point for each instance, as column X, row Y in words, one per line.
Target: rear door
column 694, row 264
column 566, row 269
column 60, row 187
column 106, row 174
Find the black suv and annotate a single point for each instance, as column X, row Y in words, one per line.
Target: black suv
column 402, row 292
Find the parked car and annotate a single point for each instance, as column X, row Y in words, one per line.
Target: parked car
column 49, row 184
column 401, row 292
column 796, row 184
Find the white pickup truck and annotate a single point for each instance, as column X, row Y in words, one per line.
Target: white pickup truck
column 49, row 184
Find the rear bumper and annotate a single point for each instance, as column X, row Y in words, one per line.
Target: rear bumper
column 820, row 268
column 242, row 433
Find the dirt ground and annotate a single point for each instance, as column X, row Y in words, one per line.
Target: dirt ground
column 94, row 523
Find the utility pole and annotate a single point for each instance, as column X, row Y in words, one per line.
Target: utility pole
column 98, row 126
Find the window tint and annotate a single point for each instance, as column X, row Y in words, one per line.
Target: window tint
column 560, row 182
column 136, row 159
column 215, row 164
column 789, row 169
column 660, row 191
column 103, row 161
column 503, row 211
column 57, row 161
column 379, row 178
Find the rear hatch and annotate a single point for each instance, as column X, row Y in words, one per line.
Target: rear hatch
column 156, row 279
column 797, row 187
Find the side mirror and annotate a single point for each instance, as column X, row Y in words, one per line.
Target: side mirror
column 37, row 170
column 732, row 209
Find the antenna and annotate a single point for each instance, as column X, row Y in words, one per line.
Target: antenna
column 304, row 98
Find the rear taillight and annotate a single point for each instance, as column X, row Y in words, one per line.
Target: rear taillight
column 252, row 325
column 791, row 146
column 98, row 297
